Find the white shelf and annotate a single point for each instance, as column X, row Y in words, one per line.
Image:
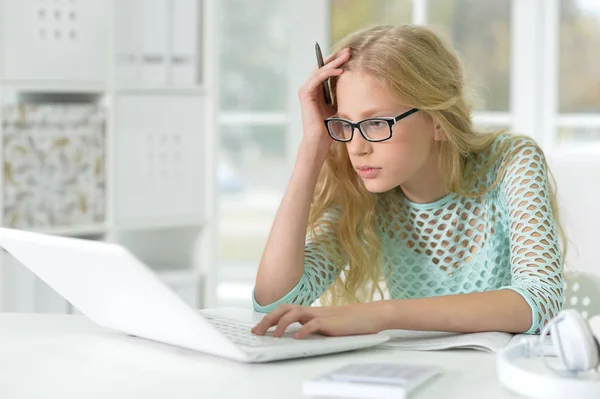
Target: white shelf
column 160, row 223
column 54, row 86
column 164, row 90
column 74, row 230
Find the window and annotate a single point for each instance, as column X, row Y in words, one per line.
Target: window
column 253, row 117
column 480, row 30
column 579, row 71
column 579, row 90
column 253, row 46
column 347, row 15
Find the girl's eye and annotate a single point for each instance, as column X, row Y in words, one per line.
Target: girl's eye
column 376, row 124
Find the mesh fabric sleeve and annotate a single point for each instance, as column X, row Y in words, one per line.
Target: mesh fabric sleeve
column 323, row 261
column 535, row 256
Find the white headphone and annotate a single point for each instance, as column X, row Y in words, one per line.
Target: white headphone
column 577, row 344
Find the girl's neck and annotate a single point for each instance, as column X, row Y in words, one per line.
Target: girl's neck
column 426, row 185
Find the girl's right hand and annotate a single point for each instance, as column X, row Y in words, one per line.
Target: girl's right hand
column 312, row 101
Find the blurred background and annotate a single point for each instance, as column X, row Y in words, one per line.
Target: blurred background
column 171, row 126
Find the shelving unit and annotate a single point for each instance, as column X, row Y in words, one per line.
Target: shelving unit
column 140, row 69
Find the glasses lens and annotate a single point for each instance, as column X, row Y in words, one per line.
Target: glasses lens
column 340, row 130
column 376, row 129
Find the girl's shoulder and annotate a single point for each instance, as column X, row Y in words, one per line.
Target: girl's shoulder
column 491, row 165
column 517, row 154
column 506, row 145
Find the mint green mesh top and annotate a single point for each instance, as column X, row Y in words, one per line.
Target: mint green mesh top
column 504, row 239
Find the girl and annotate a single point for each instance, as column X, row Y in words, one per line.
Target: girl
column 396, row 186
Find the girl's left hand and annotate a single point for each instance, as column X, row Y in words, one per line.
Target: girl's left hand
column 330, row 320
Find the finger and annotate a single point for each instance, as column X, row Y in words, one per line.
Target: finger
column 326, row 72
column 333, row 56
column 312, row 326
column 316, row 80
column 334, row 61
column 337, row 61
column 289, row 318
column 271, row 319
column 329, row 70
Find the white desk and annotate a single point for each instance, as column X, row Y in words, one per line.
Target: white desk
column 60, row 356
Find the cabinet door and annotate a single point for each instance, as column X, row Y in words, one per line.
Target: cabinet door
column 159, row 173
column 52, row 40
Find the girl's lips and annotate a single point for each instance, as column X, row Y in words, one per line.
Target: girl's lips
column 368, row 172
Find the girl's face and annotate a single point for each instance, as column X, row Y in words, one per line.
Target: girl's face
column 394, row 162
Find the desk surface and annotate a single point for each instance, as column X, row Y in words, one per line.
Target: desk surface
column 65, row 357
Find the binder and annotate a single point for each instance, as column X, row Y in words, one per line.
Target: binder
column 185, row 41
column 154, row 41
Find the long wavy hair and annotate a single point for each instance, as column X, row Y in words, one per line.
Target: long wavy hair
column 422, row 71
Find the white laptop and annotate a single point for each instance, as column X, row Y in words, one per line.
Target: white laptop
column 114, row 289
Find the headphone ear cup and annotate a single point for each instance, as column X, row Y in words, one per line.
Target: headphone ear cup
column 594, row 324
column 575, row 342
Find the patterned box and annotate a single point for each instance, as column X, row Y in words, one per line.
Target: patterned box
column 54, row 165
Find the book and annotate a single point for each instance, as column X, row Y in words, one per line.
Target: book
column 492, row 342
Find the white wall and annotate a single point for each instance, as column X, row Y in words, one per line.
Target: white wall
column 578, row 182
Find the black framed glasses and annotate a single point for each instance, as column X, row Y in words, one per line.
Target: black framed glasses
column 372, row 129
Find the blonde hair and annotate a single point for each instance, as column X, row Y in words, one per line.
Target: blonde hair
column 415, row 64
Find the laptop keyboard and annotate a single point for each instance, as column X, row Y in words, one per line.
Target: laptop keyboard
column 239, row 333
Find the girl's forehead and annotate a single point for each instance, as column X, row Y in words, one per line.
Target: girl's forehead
column 360, row 95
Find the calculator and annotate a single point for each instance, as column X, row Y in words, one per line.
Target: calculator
column 409, row 376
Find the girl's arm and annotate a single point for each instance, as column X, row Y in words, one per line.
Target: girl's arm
column 281, row 273
column 535, row 254
column 502, row 310
column 292, row 270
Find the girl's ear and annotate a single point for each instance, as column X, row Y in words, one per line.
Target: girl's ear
column 440, row 134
